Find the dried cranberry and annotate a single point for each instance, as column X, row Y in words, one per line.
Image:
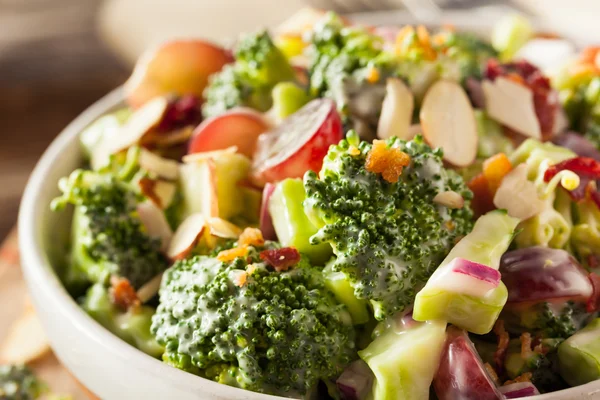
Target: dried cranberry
column 281, row 259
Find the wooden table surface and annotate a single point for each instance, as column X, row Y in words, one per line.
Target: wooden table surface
column 52, row 66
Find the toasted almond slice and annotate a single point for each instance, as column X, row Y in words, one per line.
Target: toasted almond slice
column 25, row 342
column 511, row 104
column 198, row 157
column 163, row 167
column 223, row 229
column 186, row 236
column 155, row 222
column 142, row 121
column 149, row 289
column 448, row 122
column 165, row 192
column 396, row 111
column 449, row 199
column 172, row 138
column 518, row 195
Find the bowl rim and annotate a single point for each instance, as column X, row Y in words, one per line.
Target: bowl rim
column 40, row 274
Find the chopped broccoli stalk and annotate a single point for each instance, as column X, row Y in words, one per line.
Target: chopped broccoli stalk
column 476, row 313
column 288, row 98
column 510, row 34
column 404, row 361
column 214, row 182
column 259, row 65
column 585, row 237
column 545, row 319
column 579, row 355
column 491, row 137
column 388, row 237
column 291, row 224
column 243, row 324
column 132, row 326
column 108, row 236
column 338, row 284
column 17, row 382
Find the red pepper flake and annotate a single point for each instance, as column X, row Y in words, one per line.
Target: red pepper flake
column 593, row 302
column 386, row 161
column 545, row 99
column 122, row 294
column 281, row 259
column 503, row 340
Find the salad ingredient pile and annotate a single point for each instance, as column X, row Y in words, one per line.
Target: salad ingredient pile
column 336, row 211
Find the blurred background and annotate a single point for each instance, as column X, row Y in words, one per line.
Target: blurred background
column 59, row 56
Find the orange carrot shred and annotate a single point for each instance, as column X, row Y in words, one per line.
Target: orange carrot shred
column 386, row 161
column 232, row 254
column 495, row 169
column 251, row 237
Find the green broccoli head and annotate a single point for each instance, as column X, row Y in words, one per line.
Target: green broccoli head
column 259, row 65
column 108, row 236
column 546, row 320
column 243, row 324
column 388, row 237
column 17, row 382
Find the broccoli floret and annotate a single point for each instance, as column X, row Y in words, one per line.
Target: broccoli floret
column 259, row 65
column 108, row 237
column 582, row 105
column 545, row 319
column 17, row 382
column 388, row 237
column 347, row 64
column 243, row 324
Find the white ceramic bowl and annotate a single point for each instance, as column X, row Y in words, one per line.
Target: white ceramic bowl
column 108, row 366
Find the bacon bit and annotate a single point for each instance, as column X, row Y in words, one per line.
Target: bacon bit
column 373, row 75
column 122, row 294
column 526, row 351
column 545, row 99
column 251, row 237
column 353, row 151
column 525, row 377
column 386, row 161
column 241, row 279
column 148, row 189
column 492, row 373
column 593, row 303
column 281, row 259
column 503, row 340
column 232, row 254
column 483, row 201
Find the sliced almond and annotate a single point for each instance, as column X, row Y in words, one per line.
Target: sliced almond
column 518, row 195
column 511, row 104
column 396, row 111
column 141, row 122
column 448, row 122
column 155, row 222
column 149, row 289
column 449, row 199
column 165, row 193
column 172, row 138
column 25, row 342
column 186, row 236
column 223, row 229
column 163, row 167
column 198, row 157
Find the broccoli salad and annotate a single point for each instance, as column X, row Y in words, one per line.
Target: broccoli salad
column 347, row 212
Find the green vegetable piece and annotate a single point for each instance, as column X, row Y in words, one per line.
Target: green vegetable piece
column 404, row 361
column 287, row 99
column 510, row 34
column 579, row 355
column 102, row 129
column 132, row 326
column 291, row 224
column 338, row 284
column 491, row 137
column 18, row 382
column 485, row 245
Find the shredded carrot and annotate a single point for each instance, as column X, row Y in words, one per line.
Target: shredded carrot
column 503, row 340
column 241, row 279
column 526, row 351
column 386, row 161
column 492, row 373
column 483, row 201
column 495, row 169
column 525, row 377
column 251, row 237
column 232, row 254
column 373, row 75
